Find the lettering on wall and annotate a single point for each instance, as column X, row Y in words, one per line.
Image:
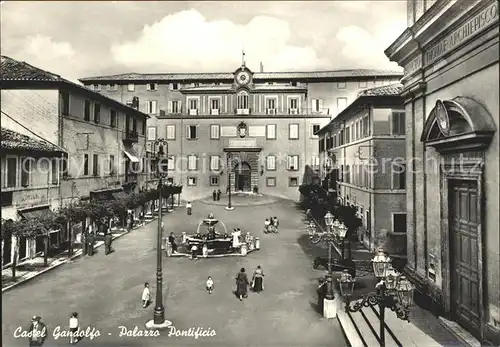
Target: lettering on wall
column 473, row 26
column 29, row 197
column 413, row 65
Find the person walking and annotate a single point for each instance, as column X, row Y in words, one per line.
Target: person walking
column 218, row 194
column 258, row 280
column 189, row 208
column 171, row 239
column 90, row 243
column 242, row 284
column 37, row 332
column 276, row 223
column 73, row 328
column 108, row 239
column 146, row 295
column 214, row 195
column 129, row 222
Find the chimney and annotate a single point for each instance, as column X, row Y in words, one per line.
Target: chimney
column 261, row 67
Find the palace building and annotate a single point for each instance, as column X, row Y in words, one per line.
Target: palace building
column 259, row 124
column 450, row 54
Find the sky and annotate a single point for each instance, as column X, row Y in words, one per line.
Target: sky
column 82, row 39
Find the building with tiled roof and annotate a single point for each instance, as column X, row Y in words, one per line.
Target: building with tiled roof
column 266, row 122
column 12, row 141
column 361, row 150
column 88, row 145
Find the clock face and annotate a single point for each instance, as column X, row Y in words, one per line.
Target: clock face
column 243, row 77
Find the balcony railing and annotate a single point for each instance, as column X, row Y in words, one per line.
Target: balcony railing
column 131, row 136
column 248, row 111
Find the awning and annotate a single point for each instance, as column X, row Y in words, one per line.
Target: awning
column 36, row 212
column 131, row 155
column 120, row 195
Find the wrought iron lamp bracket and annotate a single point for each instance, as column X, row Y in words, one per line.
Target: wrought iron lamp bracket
column 388, row 300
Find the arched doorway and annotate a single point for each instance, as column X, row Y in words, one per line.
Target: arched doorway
column 242, row 176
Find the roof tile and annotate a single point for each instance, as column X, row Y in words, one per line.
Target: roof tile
column 14, row 140
column 392, row 89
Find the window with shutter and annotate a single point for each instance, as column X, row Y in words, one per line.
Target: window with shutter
column 214, row 163
column 151, row 133
column 398, row 123
column 26, row 166
column 65, row 100
column 95, row 165
column 193, row 104
column 175, row 106
column 192, row 162
column 97, row 113
column 214, row 131
column 131, row 87
column 293, row 162
column 314, row 129
column 86, row 110
column 293, row 131
column 54, row 170
column 271, row 163
column 192, row 132
column 171, row 132
column 152, row 106
column 398, row 175
column 271, row 131
column 171, row 163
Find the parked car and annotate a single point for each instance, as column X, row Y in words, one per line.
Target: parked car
column 337, row 265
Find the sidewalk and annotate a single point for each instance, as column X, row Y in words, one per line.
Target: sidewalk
column 32, row 268
column 362, row 328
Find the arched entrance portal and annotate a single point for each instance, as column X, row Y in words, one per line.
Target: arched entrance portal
column 242, row 176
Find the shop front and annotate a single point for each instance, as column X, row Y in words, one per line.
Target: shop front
column 451, row 60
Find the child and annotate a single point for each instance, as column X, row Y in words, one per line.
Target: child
column 145, row 295
column 210, row 285
column 73, row 328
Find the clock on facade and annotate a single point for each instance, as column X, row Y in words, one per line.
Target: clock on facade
column 243, row 77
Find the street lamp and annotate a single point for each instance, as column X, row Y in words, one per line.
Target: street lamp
column 159, row 322
column 328, row 237
column 229, row 207
column 394, row 291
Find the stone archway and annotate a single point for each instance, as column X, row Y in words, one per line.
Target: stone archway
column 243, row 177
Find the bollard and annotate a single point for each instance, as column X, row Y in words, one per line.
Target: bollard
column 205, row 251
column 257, row 243
column 243, row 249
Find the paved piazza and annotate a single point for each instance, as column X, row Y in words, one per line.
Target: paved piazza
column 106, row 290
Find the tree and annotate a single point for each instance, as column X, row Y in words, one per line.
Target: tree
column 69, row 215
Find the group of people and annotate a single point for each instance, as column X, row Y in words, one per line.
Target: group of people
column 38, row 330
column 242, row 283
column 271, row 225
column 216, row 194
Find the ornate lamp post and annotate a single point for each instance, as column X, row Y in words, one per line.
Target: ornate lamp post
column 328, row 237
column 229, row 207
column 394, row 291
column 159, row 321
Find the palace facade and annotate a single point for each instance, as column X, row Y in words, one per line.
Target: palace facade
column 450, row 53
column 260, row 125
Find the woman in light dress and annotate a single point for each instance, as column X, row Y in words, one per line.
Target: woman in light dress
column 146, row 295
column 258, row 280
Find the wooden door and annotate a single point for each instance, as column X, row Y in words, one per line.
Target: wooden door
column 464, row 218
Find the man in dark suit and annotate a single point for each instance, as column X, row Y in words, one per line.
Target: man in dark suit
column 37, row 332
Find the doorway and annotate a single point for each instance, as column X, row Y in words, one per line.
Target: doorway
column 464, row 219
column 243, row 177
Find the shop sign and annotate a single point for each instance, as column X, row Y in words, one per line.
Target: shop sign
column 472, row 27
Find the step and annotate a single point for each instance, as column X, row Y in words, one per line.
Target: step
column 460, row 333
column 349, row 329
column 368, row 333
column 372, row 314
